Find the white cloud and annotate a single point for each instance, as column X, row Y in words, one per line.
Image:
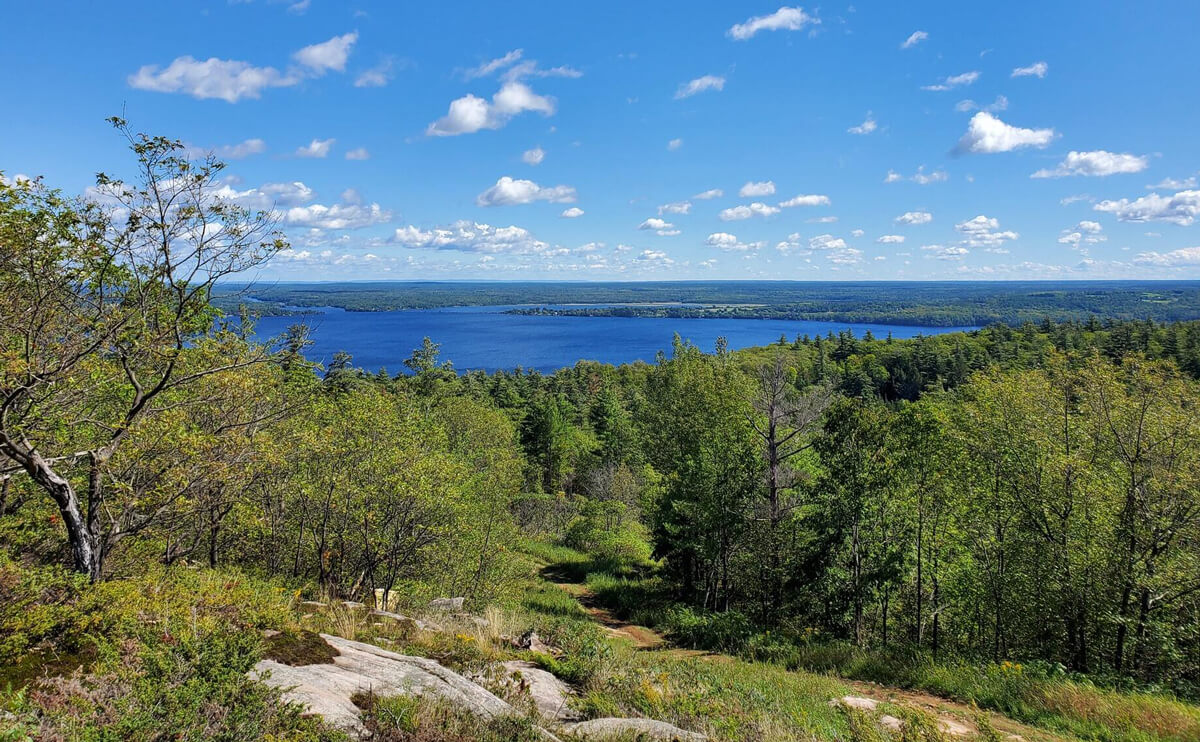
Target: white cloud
column 509, row 191
column 755, row 190
column 942, row 252
column 328, row 55
column 914, row 217
column 533, row 156
column 1037, row 69
column 653, row 257
column 811, row 199
column 1175, row 184
column 316, row 148
column 916, row 37
column 730, row 243
column 954, row 81
column 678, row 207
column 890, row 239
column 661, row 227
column 674, row 144
column 377, row 76
column 359, row 153
column 468, row 236
column 1181, row 208
column 337, row 216
column 784, row 19
column 1095, row 164
column 498, row 63
column 1089, row 227
column 987, row 134
column 268, row 196
column 1000, row 104
column 237, row 151
column 920, row 177
column 737, row 213
column 227, row 79
column 709, row 194
column 983, row 231
column 866, row 127
column 699, row 85
column 822, row 220
column 857, row 233
column 1184, row 256
column 470, row 113
column 826, row 242
column 572, row 213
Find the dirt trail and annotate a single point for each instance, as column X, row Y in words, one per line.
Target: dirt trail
column 955, row 718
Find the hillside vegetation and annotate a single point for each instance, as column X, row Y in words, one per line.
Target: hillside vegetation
column 1009, row 517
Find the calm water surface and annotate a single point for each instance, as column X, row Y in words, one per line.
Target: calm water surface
column 486, row 338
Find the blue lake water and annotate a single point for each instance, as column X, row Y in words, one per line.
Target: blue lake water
column 487, row 338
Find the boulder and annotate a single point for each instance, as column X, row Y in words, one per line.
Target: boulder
column 549, row 694
column 326, row 689
column 530, row 640
column 858, row 702
column 404, row 620
column 890, row 722
column 447, row 604
column 602, row 729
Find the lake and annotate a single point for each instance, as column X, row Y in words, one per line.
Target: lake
column 487, row 338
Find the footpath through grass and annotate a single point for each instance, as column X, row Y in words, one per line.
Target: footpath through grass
column 1037, row 694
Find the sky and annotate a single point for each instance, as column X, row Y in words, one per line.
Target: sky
column 646, row 141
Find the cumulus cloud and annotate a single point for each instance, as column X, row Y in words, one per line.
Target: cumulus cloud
column 1082, row 234
column 737, row 213
column 730, row 243
column 1180, row 208
column 954, row 81
column 232, row 80
column 916, row 37
column 674, row 144
column 983, row 231
column 359, row 153
column 337, row 216
column 469, row 236
column 653, row 257
column 227, row 79
column 1184, row 256
column 711, row 193
column 987, row 134
column 328, row 55
column 826, row 242
column 533, row 156
column 866, row 127
column 755, row 190
column 661, row 227
column 509, row 191
column 920, row 177
column 890, row 239
column 1037, row 69
column 914, row 217
column 1099, row 163
column 784, row 19
column 470, row 113
column 678, row 207
column 699, row 85
column 267, row 196
column 572, row 213
column 811, row 199
column 943, row 252
column 316, row 148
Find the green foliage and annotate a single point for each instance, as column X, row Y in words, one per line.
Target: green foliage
column 401, row 719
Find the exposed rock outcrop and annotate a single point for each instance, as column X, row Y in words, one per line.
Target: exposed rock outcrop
column 549, row 694
column 326, row 689
column 602, row 729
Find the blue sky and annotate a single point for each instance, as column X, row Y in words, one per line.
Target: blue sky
column 656, row 140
